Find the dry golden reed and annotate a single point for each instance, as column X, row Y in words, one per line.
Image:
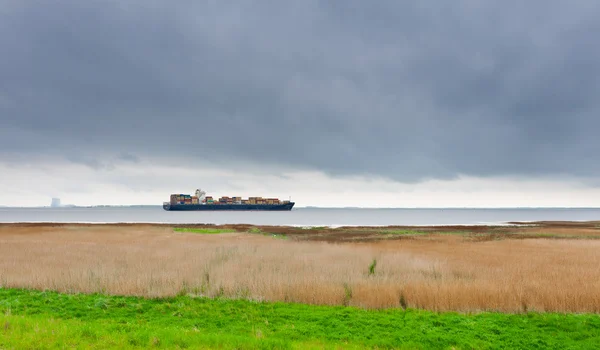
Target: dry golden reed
column 436, row 273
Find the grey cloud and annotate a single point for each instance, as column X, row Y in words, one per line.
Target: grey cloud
column 127, row 157
column 387, row 88
column 91, row 162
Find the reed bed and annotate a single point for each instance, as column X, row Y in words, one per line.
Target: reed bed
column 439, row 273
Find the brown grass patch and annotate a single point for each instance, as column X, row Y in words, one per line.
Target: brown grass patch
column 482, row 269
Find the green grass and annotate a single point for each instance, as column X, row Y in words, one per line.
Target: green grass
column 34, row 319
column 560, row 236
column 209, row 231
column 543, row 235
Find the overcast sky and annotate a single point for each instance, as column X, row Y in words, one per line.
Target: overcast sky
column 378, row 103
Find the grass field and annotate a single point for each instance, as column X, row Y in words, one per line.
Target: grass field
column 238, row 286
column 203, row 230
column 504, row 269
column 35, row 319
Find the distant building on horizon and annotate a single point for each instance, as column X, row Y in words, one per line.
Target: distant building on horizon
column 55, row 203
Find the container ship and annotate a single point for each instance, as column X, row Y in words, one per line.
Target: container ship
column 199, row 201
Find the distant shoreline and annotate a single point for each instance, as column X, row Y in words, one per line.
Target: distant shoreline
column 545, row 224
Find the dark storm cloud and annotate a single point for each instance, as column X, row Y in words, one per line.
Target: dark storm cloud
column 399, row 89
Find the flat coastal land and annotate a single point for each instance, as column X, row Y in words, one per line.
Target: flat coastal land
column 486, row 281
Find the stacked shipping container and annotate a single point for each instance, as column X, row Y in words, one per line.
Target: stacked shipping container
column 209, row 200
column 182, row 199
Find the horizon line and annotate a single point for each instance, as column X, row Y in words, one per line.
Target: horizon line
column 69, row 206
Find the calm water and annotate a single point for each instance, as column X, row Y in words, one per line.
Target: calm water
column 299, row 217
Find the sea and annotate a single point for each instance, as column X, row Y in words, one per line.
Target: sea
column 302, row 217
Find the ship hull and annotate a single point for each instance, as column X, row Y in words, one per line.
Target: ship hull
column 228, row 207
